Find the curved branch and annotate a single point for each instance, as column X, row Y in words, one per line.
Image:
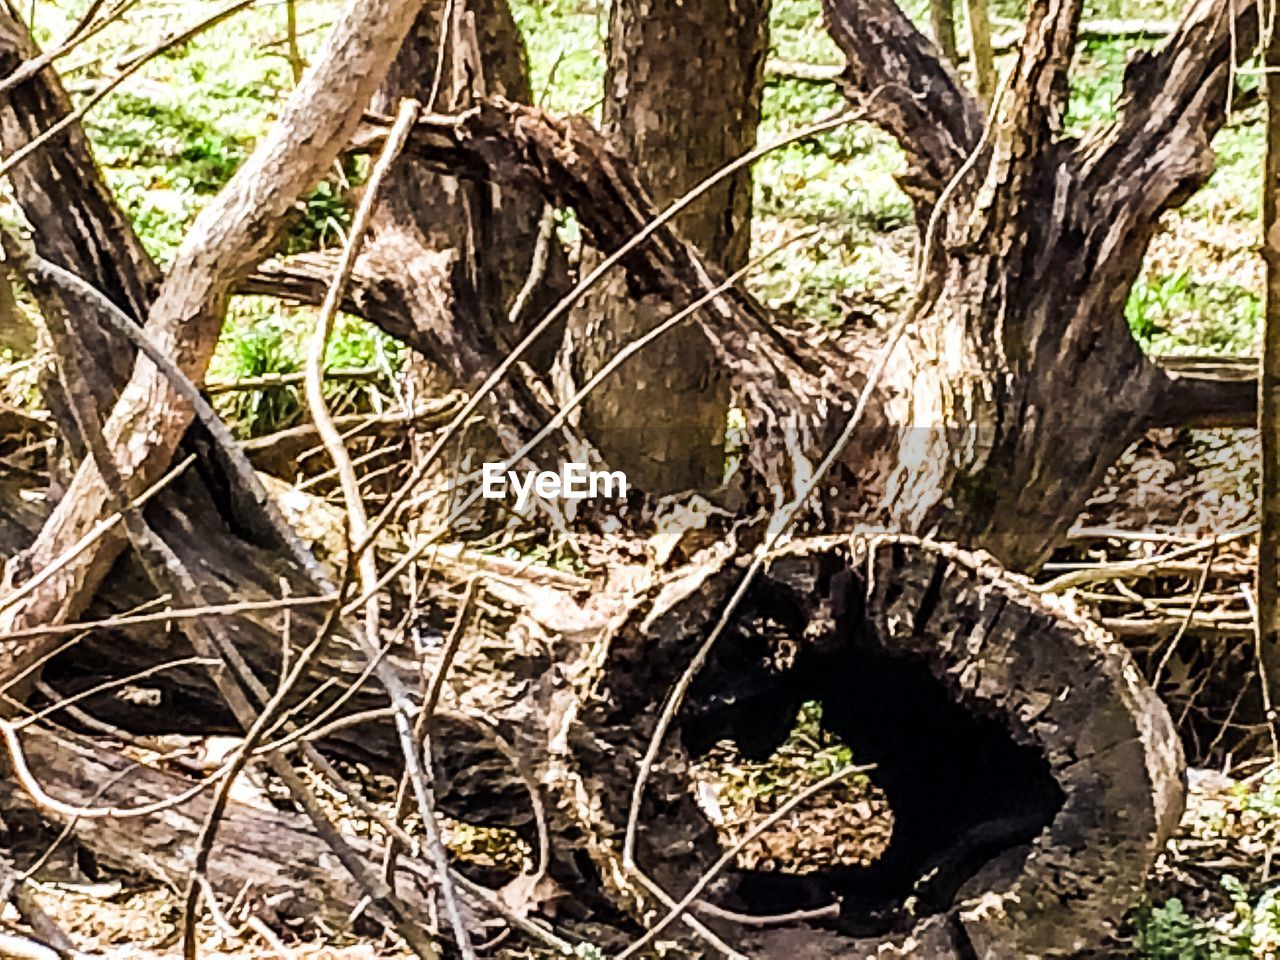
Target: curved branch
column 1159, row 151
column 917, row 99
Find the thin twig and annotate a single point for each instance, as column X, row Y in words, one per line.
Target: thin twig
column 357, row 519
column 1186, row 622
column 729, row 855
column 82, row 31
column 175, row 615
column 1263, row 680
column 27, row 780
column 430, row 698
column 296, row 64
column 271, row 380
column 1125, row 568
column 112, row 684
column 537, row 266
column 241, row 756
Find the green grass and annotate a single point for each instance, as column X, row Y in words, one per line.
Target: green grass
column 1176, row 312
column 565, row 39
column 263, row 337
column 176, row 132
column 1167, row 931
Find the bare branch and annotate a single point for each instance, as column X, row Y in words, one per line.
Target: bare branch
column 911, row 92
column 1174, row 101
column 64, row 186
column 357, row 519
column 1206, row 392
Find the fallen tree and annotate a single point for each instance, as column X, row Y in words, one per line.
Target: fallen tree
column 1030, row 243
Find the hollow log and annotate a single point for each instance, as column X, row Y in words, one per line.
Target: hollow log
column 1032, row 775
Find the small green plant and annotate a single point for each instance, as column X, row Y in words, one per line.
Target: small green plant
column 260, row 350
column 261, row 340
column 323, row 220
column 1250, row 931
column 1168, row 932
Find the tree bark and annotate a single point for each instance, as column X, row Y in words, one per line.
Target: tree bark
column 1268, row 577
column 981, row 54
column 1030, row 726
column 271, row 858
column 942, row 22
column 1031, row 253
column 906, row 645
column 63, row 185
column 491, row 228
column 1035, row 252
column 662, row 417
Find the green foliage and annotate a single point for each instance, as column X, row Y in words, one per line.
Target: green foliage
column 796, row 33
column 1095, row 86
column 261, row 339
column 565, row 40
column 808, row 755
column 1233, row 193
column 1250, row 931
column 1168, row 932
column 257, row 350
column 1178, row 312
column 840, row 185
column 323, row 221
column 559, row 555
column 184, row 150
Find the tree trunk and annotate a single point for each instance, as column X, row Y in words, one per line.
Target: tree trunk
column 1027, row 267
column 483, row 242
column 1268, row 581
column 233, row 234
column 984, row 709
column 271, row 858
column 662, row 417
column 492, row 228
column 1033, row 778
column 981, row 55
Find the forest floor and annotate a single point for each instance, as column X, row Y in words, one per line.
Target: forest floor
column 173, row 135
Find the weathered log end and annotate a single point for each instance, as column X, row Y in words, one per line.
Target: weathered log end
column 1032, row 775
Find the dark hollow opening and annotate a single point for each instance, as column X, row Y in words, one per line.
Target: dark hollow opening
column 966, row 798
